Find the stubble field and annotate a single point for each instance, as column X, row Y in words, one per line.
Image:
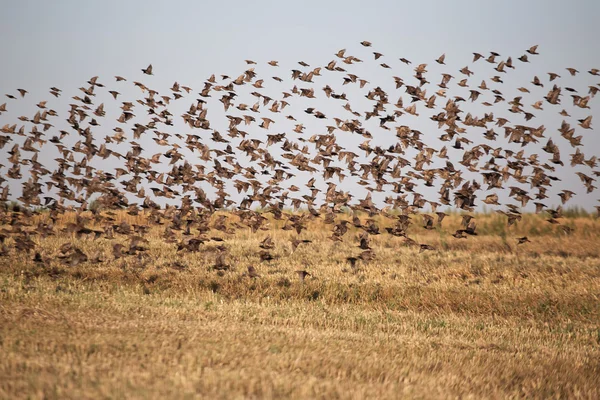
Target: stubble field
column 480, row 317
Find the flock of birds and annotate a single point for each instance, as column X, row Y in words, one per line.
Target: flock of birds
column 193, row 172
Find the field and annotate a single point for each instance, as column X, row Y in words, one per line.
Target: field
column 480, row 317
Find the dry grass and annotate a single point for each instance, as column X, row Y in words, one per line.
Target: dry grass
column 480, row 317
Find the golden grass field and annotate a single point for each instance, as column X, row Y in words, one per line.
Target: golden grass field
column 476, row 318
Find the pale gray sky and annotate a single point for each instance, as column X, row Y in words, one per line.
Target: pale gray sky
column 64, row 43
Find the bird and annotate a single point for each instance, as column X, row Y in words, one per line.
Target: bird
column 586, row 123
column 221, row 263
column 147, row 70
column 265, row 256
column 423, row 247
column 352, row 261
column 302, row 274
column 252, row 272
column 533, row 49
column 267, row 243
